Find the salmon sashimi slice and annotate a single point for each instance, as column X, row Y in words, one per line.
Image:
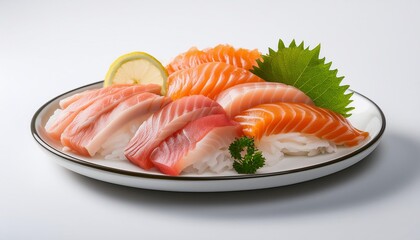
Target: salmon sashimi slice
column 280, row 117
column 166, row 122
column 181, row 150
column 86, row 136
column 243, row 96
column 243, row 58
column 208, row 79
column 82, row 128
column 60, row 122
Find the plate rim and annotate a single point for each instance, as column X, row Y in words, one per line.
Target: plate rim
column 84, row 163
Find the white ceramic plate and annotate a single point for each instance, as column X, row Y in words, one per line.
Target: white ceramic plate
column 367, row 116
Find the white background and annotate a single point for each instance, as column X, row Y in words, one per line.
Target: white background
column 49, row 47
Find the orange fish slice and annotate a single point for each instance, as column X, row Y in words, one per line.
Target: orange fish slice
column 208, row 79
column 243, row 58
column 277, row 118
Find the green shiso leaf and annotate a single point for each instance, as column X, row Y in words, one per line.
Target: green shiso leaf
column 302, row 68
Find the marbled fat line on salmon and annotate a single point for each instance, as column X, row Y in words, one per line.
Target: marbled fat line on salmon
column 166, row 122
column 280, row 117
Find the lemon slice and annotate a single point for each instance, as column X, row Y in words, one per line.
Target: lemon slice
column 136, row 68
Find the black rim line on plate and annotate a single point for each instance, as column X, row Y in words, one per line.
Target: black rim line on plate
column 76, row 160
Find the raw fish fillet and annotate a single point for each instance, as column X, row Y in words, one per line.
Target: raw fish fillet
column 243, row 96
column 182, row 150
column 66, row 116
column 241, row 57
column 94, row 125
column 208, row 79
column 64, row 103
column 164, row 123
column 276, row 118
column 89, row 121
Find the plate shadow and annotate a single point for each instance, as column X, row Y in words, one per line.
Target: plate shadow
column 393, row 166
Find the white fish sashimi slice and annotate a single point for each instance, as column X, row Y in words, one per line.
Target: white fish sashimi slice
column 132, row 111
column 197, row 141
column 211, row 154
column 92, row 93
column 166, row 122
column 83, row 101
column 89, row 121
column 247, row 95
column 65, row 118
column 64, row 103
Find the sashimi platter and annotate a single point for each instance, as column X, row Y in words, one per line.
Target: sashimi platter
column 220, row 118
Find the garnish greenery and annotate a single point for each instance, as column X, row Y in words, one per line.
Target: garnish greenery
column 302, row 68
column 251, row 160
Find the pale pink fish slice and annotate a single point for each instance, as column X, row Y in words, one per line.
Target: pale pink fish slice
column 65, row 117
column 247, row 95
column 83, row 127
column 134, row 110
column 196, row 140
column 64, row 103
column 166, row 122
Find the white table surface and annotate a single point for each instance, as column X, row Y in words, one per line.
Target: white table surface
column 49, row 47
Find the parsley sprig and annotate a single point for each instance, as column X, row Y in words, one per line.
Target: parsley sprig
column 247, row 159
